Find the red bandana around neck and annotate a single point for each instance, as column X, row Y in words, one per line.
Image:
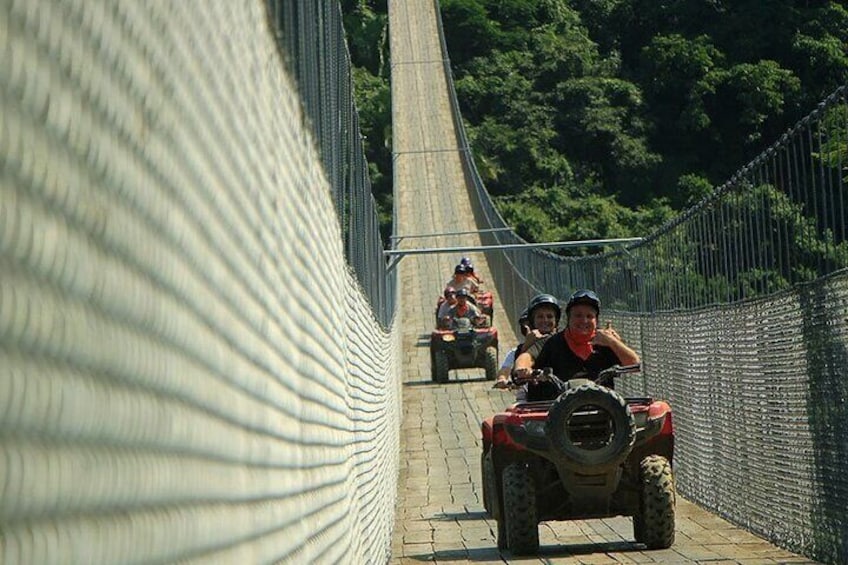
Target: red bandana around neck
column 580, row 344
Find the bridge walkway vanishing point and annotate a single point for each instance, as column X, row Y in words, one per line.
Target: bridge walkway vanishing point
column 440, row 516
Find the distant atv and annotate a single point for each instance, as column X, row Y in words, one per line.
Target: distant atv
column 464, row 346
column 588, row 454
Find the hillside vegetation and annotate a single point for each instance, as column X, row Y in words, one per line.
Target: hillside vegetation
column 603, row 118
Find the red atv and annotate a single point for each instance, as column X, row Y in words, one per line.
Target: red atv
column 590, row 453
column 464, row 346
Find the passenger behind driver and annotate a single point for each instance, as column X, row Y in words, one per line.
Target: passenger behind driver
column 543, row 314
column 509, row 360
column 580, row 348
column 469, row 270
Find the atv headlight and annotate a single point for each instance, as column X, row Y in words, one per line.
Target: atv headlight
column 535, row 428
column 448, row 337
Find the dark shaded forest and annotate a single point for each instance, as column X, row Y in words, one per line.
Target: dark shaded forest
column 605, row 118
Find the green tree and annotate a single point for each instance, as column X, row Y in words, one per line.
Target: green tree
column 366, row 24
column 601, row 126
column 734, row 113
column 818, row 54
column 671, row 68
column 627, row 101
column 469, row 31
column 555, row 214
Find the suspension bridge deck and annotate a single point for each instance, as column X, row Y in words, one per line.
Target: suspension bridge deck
column 440, row 514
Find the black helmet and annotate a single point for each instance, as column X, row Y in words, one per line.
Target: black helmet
column 523, row 321
column 462, row 292
column 460, row 269
column 465, row 261
column 543, row 300
column 584, row 297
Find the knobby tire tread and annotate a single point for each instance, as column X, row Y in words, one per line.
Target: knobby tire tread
column 654, row 525
column 521, row 522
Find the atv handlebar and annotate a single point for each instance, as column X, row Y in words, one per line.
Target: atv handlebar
column 547, row 374
column 537, row 375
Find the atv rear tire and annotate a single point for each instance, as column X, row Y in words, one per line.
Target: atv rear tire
column 588, row 446
column 519, row 504
column 490, row 362
column 441, row 366
column 653, row 525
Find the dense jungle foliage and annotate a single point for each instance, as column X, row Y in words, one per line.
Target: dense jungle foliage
column 603, row 118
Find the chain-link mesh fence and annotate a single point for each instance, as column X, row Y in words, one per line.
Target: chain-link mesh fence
column 188, row 369
column 739, row 308
column 313, row 40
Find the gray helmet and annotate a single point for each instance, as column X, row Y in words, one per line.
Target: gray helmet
column 584, row 296
column 543, row 300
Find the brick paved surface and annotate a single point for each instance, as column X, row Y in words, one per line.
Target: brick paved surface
column 440, row 515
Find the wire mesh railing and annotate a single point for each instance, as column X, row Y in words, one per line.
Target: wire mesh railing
column 312, row 38
column 739, row 308
column 190, row 370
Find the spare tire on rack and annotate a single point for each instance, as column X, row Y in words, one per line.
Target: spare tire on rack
column 590, row 428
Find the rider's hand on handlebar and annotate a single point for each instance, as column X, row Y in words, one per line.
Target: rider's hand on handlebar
column 522, row 374
column 502, row 383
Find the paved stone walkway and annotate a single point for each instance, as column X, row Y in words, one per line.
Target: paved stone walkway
column 440, row 515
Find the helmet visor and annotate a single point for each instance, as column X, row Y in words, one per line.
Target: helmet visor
column 585, row 297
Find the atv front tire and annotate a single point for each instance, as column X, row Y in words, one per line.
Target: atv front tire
column 490, row 362
column 591, row 443
column 441, row 366
column 502, row 541
column 519, row 504
column 653, row 524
